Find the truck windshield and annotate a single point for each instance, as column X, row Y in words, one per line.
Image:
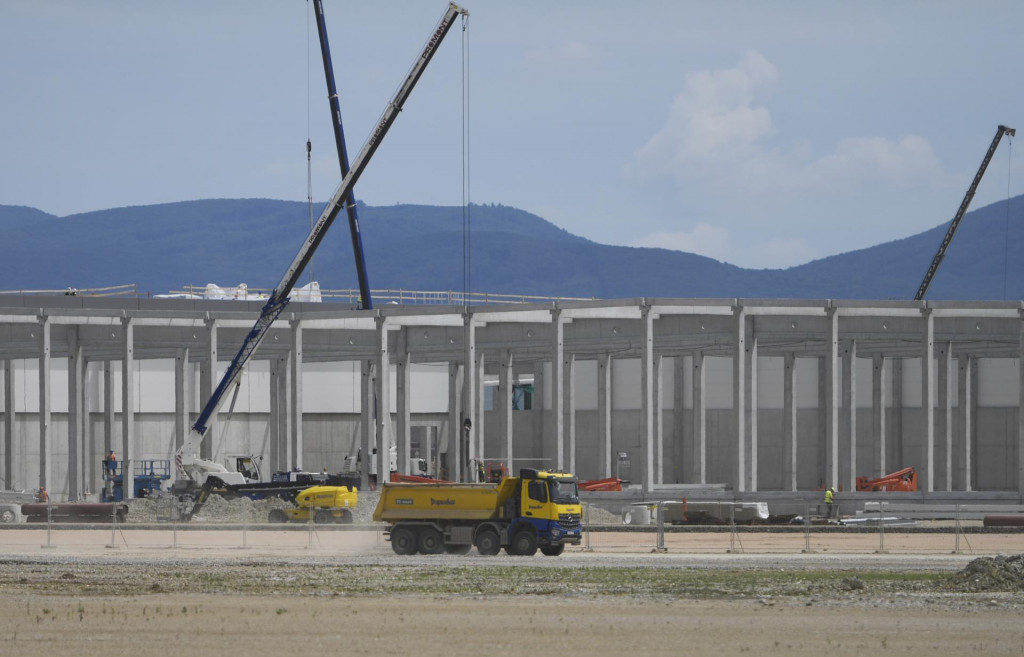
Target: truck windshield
column 564, row 491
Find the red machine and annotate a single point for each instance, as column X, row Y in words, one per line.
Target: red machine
column 904, row 480
column 609, row 484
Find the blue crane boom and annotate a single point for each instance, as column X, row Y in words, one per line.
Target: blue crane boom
column 365, row 302
column 187, row 454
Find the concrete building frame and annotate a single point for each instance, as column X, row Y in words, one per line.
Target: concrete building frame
column 682, row 393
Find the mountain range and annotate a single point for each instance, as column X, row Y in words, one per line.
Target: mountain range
column 413, row 247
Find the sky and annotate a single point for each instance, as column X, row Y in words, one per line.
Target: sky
column 763, row 134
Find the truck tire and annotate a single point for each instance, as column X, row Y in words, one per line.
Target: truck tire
column 523, row 543
column 277, row 515
column 488, row 543
column 345, row 518
column 8, row 515
column 323, row 517
column 403, row 540
column 430, row 541
column 553, row 550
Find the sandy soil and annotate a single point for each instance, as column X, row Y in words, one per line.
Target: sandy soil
column 257, row 626
column 347, row 592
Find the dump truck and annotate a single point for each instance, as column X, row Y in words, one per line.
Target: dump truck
column 324, row 504
column 536, row 510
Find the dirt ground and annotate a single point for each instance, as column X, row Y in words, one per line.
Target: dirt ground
column 280, row 593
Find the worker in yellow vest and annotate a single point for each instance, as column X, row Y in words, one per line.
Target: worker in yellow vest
column 830, row 498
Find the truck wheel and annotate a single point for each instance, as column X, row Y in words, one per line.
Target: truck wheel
column 430, row 541
column 403, row 541
column 524, row 543
column 7, row 515
column 553, row 550
column 488, row 543
column 346, row 517
column 277, row 515
column 323, row 517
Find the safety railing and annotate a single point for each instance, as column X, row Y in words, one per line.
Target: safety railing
column 128, row 290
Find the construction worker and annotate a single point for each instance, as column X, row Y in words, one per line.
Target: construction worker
column 112, row 463
column 830, row 498
column 42, row 496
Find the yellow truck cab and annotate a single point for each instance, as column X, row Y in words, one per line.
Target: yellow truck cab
column 536, row 510
column 325, row 504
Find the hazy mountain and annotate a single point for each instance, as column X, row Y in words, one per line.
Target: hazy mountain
column 230, row 241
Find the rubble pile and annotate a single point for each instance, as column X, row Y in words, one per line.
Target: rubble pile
column 1001, row 573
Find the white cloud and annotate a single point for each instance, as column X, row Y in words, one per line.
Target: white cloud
column 720, row 157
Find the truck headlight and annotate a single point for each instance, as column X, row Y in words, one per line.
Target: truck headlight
column 556, row 531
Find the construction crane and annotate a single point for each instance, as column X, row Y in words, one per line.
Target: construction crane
column 941, row 253
column 187, row 458
column 339, row 141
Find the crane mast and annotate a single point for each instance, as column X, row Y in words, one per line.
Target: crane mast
column 365, row 302
column 951, row 231
column 186, row 455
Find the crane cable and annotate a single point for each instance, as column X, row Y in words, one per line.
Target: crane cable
column 467, row 251
column 1006, row 235
column 309, row 143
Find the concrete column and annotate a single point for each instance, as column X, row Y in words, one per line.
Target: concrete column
column 76, row 416
column 647, row 393
column 470, row 395
column 557, row 384
column 682, row 436
column 897, row 458
column 700, row 438
column 108, row 407
column 789, row 442
column 739, row 397
column 278, row 457
column 182, row 397
column 833, row 385
column 382, row 386
column 285, row 412
column 403, row 391
column 479, row 422
column 849, row 469
column 1020, row 414
column 128, row 408
column 878, row 414
column 927, row 456
column 604, row 411
column 506, row 378
column 45, row 437
column 12, row 475
column 538, row 412
column 295, row 400
column 659, row 428
column 974, row 423
column 207, row 384
column 823, row 422
column 569, row 409
column 455, row 430
column 753, row 400
column 944, row 428
column 963, row 480
column 366, row 422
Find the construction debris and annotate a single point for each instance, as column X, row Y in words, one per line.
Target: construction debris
column 1001, row 573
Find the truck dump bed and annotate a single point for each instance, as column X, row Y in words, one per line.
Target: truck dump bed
column 443, row 501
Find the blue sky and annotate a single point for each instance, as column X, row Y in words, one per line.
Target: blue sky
column 763, row 134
